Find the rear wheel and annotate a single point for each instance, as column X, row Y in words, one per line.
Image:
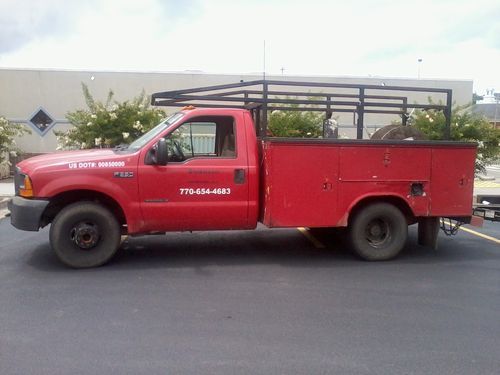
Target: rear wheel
column 378, row 232
column 84, row 235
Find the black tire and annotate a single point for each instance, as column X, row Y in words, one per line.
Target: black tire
column 84, row 235
column 398, row 132
column 378, row 232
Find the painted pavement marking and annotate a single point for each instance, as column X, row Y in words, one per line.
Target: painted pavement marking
column 307, row 234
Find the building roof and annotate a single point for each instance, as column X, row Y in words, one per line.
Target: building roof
column 489, row 110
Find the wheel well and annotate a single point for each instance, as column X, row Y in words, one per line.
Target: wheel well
column 58, row 202
column 400, row 203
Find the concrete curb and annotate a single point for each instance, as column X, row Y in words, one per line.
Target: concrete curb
column 3, row 202
column 485, row 178
column 3, row 207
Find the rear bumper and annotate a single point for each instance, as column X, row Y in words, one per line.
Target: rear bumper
column 25, row 214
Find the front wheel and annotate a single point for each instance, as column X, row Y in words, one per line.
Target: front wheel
column 84, row 235
column 378, row 232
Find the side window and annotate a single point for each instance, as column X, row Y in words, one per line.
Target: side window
column 202, row 137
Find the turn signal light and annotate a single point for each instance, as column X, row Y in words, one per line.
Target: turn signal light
column 26, row 188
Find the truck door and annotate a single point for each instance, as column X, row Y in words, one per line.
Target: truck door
column 204, row 184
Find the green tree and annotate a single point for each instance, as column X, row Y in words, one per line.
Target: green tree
column 465, row 126
column 8, row 131
column 110, row 123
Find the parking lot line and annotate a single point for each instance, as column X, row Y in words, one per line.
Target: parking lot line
column 317, row 244
column 480, row 235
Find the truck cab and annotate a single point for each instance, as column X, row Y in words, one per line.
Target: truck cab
column 208, row 181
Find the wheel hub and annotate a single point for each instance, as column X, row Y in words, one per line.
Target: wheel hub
column 375, row 231
column 85, row 235
column 378, row 232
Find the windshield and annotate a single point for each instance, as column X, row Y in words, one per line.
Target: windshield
column 139, row 142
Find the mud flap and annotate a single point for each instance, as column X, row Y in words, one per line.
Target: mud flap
column 428, row 230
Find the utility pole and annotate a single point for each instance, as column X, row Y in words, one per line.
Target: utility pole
column 264, row 62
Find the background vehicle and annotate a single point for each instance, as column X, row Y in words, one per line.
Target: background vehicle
column 215, row 167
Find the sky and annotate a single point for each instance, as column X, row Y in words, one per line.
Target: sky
column 454, row 39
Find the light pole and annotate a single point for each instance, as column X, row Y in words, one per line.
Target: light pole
column 419, row 64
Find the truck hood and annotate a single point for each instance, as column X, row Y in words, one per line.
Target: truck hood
column 63, row 158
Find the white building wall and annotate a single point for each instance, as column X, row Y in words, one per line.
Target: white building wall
column 23, row 92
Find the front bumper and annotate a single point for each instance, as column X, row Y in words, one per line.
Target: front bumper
column 25, row 214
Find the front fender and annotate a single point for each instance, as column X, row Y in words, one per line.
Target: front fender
column 125, row 196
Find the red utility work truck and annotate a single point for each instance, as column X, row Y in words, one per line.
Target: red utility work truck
column 218, row 168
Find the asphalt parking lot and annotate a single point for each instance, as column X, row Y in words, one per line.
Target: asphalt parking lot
column 256, row 302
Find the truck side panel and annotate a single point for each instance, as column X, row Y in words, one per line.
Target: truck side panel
column 300, row 185
column 384, row 163
column 452, row 181
column 383, row 171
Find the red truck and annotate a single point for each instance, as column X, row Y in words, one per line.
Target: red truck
column 218, row 168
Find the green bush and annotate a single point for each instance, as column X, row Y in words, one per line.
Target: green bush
column 108, row 124
column 8, row 131
column 296, row 123
column 465, row 126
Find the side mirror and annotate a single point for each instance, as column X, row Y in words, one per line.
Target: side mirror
column 161, row 152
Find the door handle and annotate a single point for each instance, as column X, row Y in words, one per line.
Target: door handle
column 239, row 176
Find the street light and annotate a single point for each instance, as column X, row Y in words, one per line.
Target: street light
column 419, row 64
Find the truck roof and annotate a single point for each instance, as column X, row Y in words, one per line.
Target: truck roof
column 210, row 111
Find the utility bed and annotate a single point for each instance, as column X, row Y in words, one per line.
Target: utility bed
column 315, row 183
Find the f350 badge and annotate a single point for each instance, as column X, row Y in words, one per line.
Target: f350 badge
column 123, row 174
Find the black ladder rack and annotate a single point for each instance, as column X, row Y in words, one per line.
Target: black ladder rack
column 262, row 96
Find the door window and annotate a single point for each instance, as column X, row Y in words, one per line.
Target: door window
column 206, row 137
